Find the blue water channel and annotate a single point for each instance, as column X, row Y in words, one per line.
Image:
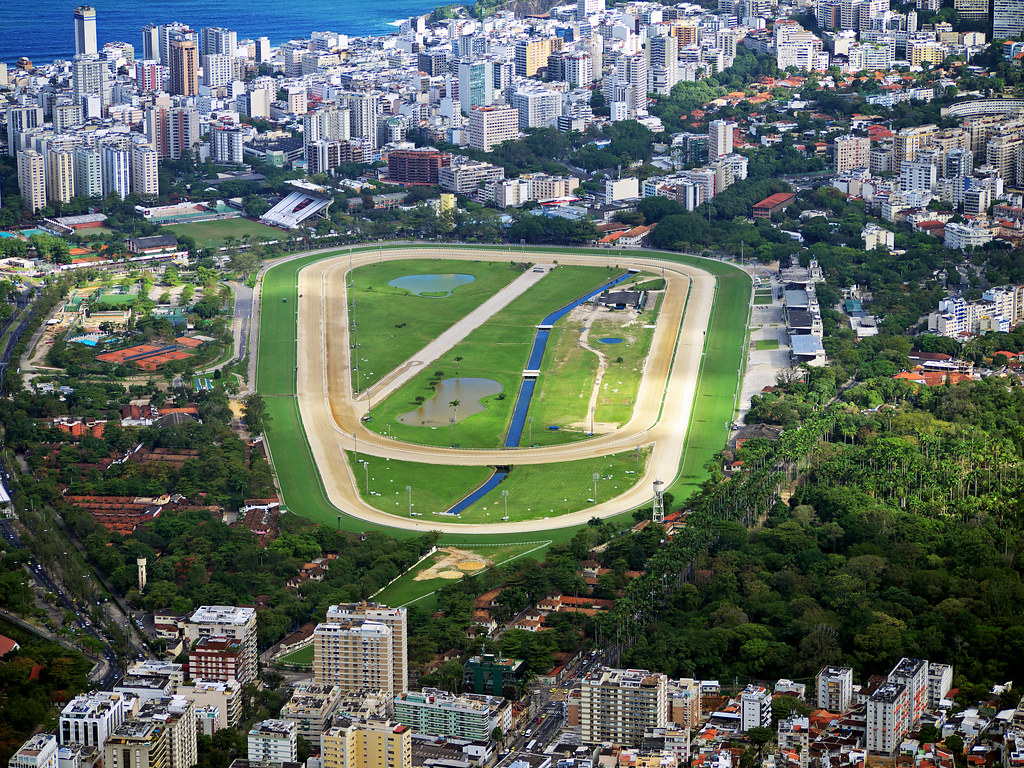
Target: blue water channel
column 526, row 390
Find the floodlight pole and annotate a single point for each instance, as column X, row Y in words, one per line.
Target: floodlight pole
column 596, row 476
column 408, row 489
column 504, row 495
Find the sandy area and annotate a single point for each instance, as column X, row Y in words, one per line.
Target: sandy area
column 455, row 564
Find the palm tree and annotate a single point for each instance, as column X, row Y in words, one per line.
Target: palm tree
column 454, row 405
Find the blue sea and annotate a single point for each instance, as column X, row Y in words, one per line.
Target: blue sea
column 43, row 30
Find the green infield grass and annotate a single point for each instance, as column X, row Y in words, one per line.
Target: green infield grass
column 392, row 324
column 765, row 344
column 212, row 234
column 300, row 658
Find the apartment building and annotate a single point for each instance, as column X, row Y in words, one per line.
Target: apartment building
column 439, row 713
column 684, row 702
column 273, row 741
column 489, row 126
column 940, row 676
column 620, row 705
column 355, row 655
column 90, row 717
column 852, row 152
column 161, row 735
column 231, row 622
column 834, row 687
column 215, row 658
column 366, row 743
column 395, row 619
column 311, row 708
column 913, row 673
column 32, row 179
column 40, row 751
column 466, row 177
column 755, row 708
column 888, row 718
column 907, row 142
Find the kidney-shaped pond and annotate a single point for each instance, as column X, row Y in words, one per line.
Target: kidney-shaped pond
column 432, row 286
column 437, row 410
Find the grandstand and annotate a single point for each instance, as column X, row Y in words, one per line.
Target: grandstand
column 307, row 200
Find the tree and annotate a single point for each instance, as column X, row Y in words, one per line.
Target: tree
column 498, row 735
column 256, row 416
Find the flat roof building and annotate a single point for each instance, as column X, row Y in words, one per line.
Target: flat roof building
column 620, row 705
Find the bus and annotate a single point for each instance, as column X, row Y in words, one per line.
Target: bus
column 531, row 745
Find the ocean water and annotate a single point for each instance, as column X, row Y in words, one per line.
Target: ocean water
column 43, row 30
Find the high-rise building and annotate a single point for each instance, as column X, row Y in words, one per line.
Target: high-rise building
column 489, row 126
column 907, row 142
column 531, row 55
column 227, row 145
column 217, row 69
column 396, row 619
column 972, row 10
column 161, row 735
column 587, row 8
column 835, row 688
column 229, row 622
column 66, row 117
column 577, row 69
column 852, row 152
column 149, row 76
column 151, row 43
column 631, row 72
column 19, row 120
column 172, row 130
column 117, row 178
column 40, row 751
column 366, row 743
column 476, row 83
column 145, row 169
column 416, row 167
column 85, row 30
column 1007, row 19
column 537, row 107
column 184, row 65
column 32, row 179
column 217, row 40
column 89, row 717
column 168, row 33
column 60, row 176
column 940, row 676
column 471, row 716
column 663, row 63
column 684, row 702
column 719, row 139
column 262, row 49
column 89, row 78
column 755, row 708
column 888, row 718
column 311, row 708
column 273, row 741
column 354, row 655
column 364, row 109
column 621, row 705
column 912, row 673
column 88, row 172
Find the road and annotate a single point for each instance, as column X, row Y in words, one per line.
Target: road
column 242, row 316
column 332, row 416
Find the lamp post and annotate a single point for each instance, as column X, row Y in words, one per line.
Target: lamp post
column 591, row 420
column 529, row 428
column 451, row 420
column 596, row 476
column 408, row 489
column 504, row 496
column 366, row 467
column 339, row 522
column 355, row 437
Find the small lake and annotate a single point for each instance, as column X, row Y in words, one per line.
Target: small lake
column 610, row 340
column 432, row 286
column 435, row 412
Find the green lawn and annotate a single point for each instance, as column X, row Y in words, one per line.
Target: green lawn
column 762, row 299
column 300, row 483
column 302, row 657
column 562, row 399
column 764, row 344
column 393, row 324
column 212, row 234
column 625, row 365
column 498, row 350
column 435, row 487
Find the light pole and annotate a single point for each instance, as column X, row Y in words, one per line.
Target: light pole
column 529, row 428
column 596, row 476
column 451, row 420
column 504, row 496
column 591, row 420
column 366, row 467
column 638, row 460
column 408, row 489
column 339, row 522
column 355, row 437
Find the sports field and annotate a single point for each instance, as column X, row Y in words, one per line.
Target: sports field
column 212, row 234
column 301, row 486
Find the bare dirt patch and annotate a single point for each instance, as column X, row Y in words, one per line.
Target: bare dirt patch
column 455, row 564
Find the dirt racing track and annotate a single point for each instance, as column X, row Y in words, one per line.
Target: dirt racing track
column 331, row 415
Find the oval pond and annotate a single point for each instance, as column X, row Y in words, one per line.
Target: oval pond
column 432, row 286
column 610, row 340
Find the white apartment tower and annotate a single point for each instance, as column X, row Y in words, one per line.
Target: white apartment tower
column 32, row 179
column 835, row 688
column 852, row 152
column 620, row 705
column 489, row 126
column 232, row 622
column 227, row 145
column 217, row 70
column 145, row 181
column 19, row 120
column 662, row 63
column 88, row 172
column 217, row 40
column 755, row 708
column 90, row 717
column 364, row 109
column 38, row 752
column 89, row 78
column 116, row 164
column 85, row 30
column 888, row 718
column 273, row 741
column 719, row 139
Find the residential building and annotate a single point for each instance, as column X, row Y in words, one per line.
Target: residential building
column 355, row 655
column 875, row 236
column 972, row 10
column 662, row 63
column 172, row 130
column 907, row 142
column 184, row 65
column 161, row 735
column 217, row 69
column 395, row 619
column 229, row 622
column 32, row 179
column 961, row 236
column 620, row 705
column 90, row 717
column 940, row 676
column 720, row 134
column 224, row 698
column 852, row 152
column 85, row 30
column 835, row 686
column 215, row 658
column 366, row 743
column 1007, row 19
column 218, row 40
column 794, row 737
column 116, row 164
column 364, row 110
column 60, row 176
column 273, row 741
column 416, row 167
column 490, row 673
column 88, row 172
column 538, row 107
column 476, row 83
column 19, row 120
column 684, row 702
column 90, row 86
column 888, row 718
column 149, row 76
column 755, row 708
column 227, row 145
column 145, row 169
column 40, row 751
column 438, row 713
column 489, row 126
column 311, row 708
column 531, row 55
column 912, row 673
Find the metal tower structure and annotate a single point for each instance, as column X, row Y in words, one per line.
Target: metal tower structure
column 659, row 502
